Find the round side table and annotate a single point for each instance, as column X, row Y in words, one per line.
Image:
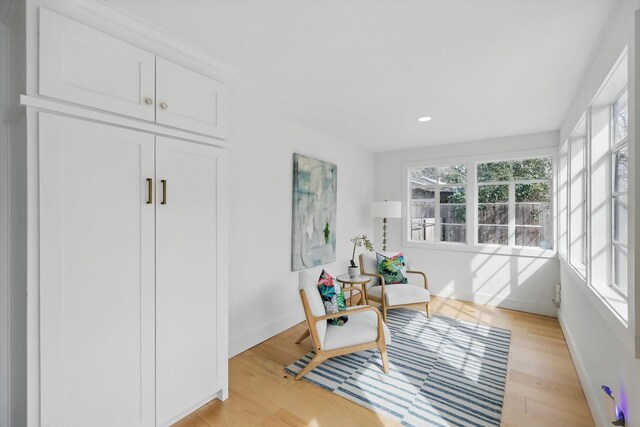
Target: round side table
column 354, row 284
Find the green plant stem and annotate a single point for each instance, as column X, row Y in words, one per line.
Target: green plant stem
column 353, row 255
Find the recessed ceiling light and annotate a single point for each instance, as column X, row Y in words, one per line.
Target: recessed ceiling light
column 424, row 119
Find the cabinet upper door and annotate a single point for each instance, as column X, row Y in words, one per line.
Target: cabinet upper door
column 97, row 303
column 190, row 100
column 187, row 317
column 82, row 65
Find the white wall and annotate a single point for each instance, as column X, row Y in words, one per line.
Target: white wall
column 601, row 346
column 14, row 210
column 518, row 282
column 263, row 291
column 4, row 235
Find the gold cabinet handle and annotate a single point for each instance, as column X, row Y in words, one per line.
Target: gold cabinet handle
column 164, row 191
column 149, row 191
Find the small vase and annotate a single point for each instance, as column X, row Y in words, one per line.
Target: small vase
column 353, row 272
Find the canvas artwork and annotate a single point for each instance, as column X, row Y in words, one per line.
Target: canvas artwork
column 315, row 190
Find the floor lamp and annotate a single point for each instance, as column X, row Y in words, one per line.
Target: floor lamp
column 386, row 210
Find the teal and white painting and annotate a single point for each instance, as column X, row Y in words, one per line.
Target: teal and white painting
column 315, row 190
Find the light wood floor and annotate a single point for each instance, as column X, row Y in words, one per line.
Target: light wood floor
column 542, row 385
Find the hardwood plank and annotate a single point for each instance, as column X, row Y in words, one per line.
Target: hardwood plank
column 284, row 418
column 511, row 418
column 515, row 401
column 542, row 387
column 547, row 386
column 548, row 412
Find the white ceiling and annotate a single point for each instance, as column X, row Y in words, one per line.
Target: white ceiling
column 364, row 71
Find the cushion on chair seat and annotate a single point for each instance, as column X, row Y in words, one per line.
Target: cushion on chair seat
column 401, row 294
column 360, row 329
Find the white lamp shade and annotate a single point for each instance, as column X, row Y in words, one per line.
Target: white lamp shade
column 386, row 209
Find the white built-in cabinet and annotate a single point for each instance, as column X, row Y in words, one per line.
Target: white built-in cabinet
column 187, row 357
column 97, row 275
column 128, row 229
column 82, row 65
column 189, row 100
column 129, row 294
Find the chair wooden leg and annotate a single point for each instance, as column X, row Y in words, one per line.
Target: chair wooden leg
column 384, row 312
column 312, row 364
column 428, row 311
column 303, row 336
column 385, row 358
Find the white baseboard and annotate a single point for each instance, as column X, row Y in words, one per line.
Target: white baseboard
column 191, row 409
column 245, row 342
column 591, row 391
column 543, row 308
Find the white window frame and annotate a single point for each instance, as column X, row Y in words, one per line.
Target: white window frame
column 580, row 268
column 616, row 147
column 563, row 202
column 511, row 203
column 436, row 206
column 472, row 204
column 608, row 302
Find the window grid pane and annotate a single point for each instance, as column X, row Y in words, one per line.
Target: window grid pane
column 620, row 170
column 438, row 190
column 620, row 268
column 620, row 118
column 493, row 234
column 493, row 193
column 493, row 213
column 538, row 214
column 620, row 219
column 515, row 170
column 453, row 233
column 533, row 236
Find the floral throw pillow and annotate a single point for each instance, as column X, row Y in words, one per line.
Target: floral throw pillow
column 393, row 269
column 332, row 298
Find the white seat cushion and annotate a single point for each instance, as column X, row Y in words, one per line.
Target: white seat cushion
column 361, row 328
column 401, row 294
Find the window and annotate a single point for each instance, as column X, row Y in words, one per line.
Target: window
column 514, row 203
column 563, row 199
column 608, row 169
column 439, row 203
column 578, row 197
column 619, row 191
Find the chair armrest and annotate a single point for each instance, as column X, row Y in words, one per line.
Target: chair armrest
column 379, row 276
column 424, row 277
column 346, row 313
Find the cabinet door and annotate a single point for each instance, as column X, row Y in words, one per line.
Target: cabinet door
column 88, row 67
column 186, row 285
column 97, row 306
column 189, row 100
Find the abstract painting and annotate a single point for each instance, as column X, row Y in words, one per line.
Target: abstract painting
column 315, row 190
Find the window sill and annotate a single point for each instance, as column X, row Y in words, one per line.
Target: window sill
column 483, row 249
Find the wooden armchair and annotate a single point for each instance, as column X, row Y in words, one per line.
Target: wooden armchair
column 363, row 331
column 397, row 295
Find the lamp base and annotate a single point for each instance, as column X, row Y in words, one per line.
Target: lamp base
column 384, row 234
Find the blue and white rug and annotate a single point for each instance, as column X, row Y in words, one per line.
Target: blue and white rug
column 443, row 372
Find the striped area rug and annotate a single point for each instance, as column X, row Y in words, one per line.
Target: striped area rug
column 443, row 372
